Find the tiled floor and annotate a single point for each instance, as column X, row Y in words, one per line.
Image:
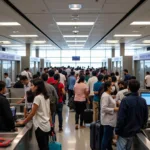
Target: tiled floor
column 70, row 138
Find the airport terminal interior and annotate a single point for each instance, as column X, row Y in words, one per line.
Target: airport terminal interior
column 74, row 74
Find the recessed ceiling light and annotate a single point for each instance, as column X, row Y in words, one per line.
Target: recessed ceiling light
column 43, row 45
column 75, row 36
column 75, row 6
column 81, row 41
column 127, row 35
column 24, row 35
column 9, row 24
column 74, row 45
column 135, row 31
column 112, row 41
column 75, row 31
column 75, row 23
column 39, row 42
column 140, row 44
column 132, row 47
column 140, row 23
column 146, row 41
column 12, row 45
column 5, row 42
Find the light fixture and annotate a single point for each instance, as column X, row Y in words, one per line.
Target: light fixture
column 9, row 24
column 5, row 42
column 132, row 47
column 127, row 35
column 74, row 36
column 112, row 41
column 75, row 23
column 75, row 31
column 12, row 45
column 140, row 23
column 43, row 45
column 81, row 41
column 74, row 45
column 24, row 35
column 146, row 41
column 75, row 6
column 103, row 47
column 39, row 42
column 135, row 31
column 140, row 44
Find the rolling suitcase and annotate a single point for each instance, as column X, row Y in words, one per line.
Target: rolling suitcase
column 88, row 116
column 96, row 135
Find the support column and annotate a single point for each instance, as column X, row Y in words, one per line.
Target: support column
column 122, row 49
column 37, row 52
column 113, row 52
column 28, row 49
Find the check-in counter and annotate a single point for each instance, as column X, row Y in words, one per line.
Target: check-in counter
column 20, row 139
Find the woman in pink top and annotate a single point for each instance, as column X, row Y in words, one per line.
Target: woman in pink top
column 81, row 93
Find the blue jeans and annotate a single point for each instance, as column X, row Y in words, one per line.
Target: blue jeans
column 59, row 109
column 124, row 143
column 107, row 138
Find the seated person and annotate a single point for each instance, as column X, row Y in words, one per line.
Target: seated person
column 6, row 118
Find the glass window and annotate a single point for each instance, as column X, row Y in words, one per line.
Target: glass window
column 95, row 59
column 53, row 53
column 68, row 53
column 33, row 52
column 68, row 64
column 108, row 54
column 97, row 53
column 65, row 59
column 82, row 64
column 42, row 53
column 96, row 65
column 117, row 52
column 83, row 53
column 129, row 52
column 52, row 59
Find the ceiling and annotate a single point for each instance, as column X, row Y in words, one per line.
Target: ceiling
column 42, row 15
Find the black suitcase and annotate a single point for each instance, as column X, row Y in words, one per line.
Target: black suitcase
column 88, row 116
column 96, row 135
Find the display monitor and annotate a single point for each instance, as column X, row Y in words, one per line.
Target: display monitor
column 146, row 96
column 76, row 58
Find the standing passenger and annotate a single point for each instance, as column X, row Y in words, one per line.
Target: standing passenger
column 81, row 93
column 132, row 117
column 147, row 80
column 108, row 116
column 7, row 80
column 40, row 114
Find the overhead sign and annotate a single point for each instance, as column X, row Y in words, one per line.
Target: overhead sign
column 6, row 56
column 136, row 57
column 144, row 56
column 75, row 58
column 35, row 59
column 116, row 58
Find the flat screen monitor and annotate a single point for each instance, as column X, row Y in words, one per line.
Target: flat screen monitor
column 146, row 96
column 76, row 58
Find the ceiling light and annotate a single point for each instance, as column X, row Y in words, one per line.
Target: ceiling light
column 140, row 23
column 9, row 24
column 75, row 47
column 140, row 44
column 75, row 31
column 43, row 45
column 132, row 47
column 5, row 42
column 127, row 35
column 24, row 35
column 112, row 41
column 135, row 31
column 75, row 23
column 81, row 41
column 12, row 45
column 70, row 45
column 146, row 41
column 39, row 42
column 103, row 47
column 75, row 6
column 74, row 36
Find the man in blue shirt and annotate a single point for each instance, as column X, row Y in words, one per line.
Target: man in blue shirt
column 71, row 83
column 127, row 76
column 132, row 117
column 7, row 80
column 96, row 98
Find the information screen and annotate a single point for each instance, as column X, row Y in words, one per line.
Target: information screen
column 146, row 96
column 76, row 58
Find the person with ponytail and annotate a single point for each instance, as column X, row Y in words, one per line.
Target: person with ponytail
column 81, row 93
column 40, row 114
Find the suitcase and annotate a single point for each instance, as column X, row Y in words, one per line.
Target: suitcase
column 96, row 135
column 88, row 116
column 55, row 146
column 71, row 103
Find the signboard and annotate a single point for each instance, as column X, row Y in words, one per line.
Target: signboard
column 6, row 56
column 35, row 59
column 136, row 57
column 75, row 58
column 144, row 56
column 116, row 58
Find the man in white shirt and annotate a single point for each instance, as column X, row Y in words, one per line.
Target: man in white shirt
column 62, row 77
column 68, row 70
column 91, row 83
column 147, row 80
column 7, row 80
column 29, row 74
column 122, row 90
column 24, row 73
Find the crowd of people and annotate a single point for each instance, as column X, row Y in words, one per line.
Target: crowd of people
column 114, row 101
